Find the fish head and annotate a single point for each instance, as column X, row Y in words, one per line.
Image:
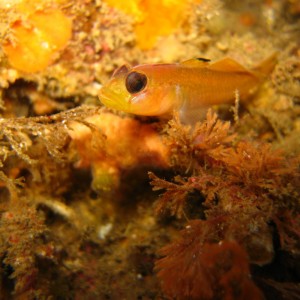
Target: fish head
column 138, row 90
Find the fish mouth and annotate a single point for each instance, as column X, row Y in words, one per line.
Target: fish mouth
column 113, row 100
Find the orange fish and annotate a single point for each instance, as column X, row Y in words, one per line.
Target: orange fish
column 189, row 87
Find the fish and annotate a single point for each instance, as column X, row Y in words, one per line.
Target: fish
column 189, row 87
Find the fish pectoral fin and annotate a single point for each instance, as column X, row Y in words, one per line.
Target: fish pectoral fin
column 192, row 116
column 227, row 65
column 196, row 62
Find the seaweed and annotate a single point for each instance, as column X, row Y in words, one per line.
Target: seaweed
column 21, row 240
column 245, row 187
column 76, row 209
column 28, row 140
column 43, row 184
column 191, row 147
column 36, row 170
column 202, row 266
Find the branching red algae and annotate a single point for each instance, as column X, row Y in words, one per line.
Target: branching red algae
column 61, row 239
column 201, row 266
column 246, row 185
column 54, row 149
column 21, row 239
column 247, row 191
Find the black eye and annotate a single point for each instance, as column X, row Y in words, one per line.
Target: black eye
column 135, row 82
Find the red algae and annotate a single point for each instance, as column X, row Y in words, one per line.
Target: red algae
column 196, row 267
column 78, row 218
column 242, row 187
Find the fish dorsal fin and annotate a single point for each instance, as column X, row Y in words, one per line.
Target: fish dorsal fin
column 196, row 62
column 267, row 66
column 227, row 65
column 121, row 70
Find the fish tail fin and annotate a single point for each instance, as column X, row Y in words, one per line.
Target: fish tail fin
column 266, row 67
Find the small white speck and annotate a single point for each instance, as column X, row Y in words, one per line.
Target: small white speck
column 104, row 230
column 45, row 45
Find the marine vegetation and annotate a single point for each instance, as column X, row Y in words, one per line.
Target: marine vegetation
column 99, row 203
column 193, row 269
column 238, row 195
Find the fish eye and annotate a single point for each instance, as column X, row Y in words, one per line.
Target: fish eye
column 135, row 82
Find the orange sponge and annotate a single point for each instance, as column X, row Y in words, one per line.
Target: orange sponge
column 154, row 18
column 36, row 39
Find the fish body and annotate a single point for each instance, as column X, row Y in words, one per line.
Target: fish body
column 188, row 87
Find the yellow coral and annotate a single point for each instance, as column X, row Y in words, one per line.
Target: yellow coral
column 154, row 18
